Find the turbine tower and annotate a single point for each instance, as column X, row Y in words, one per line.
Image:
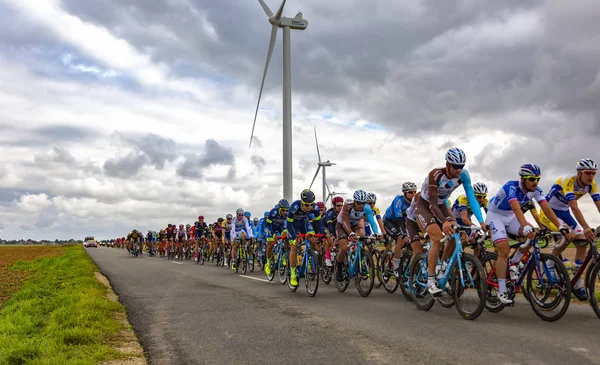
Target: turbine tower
column 323, row 165
column 277, row 21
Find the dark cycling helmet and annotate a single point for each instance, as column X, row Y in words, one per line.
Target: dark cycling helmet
column 283, row 204
column 307, row 197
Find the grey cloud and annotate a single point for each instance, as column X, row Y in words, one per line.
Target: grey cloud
column 57, row 154
column 214, row 154
column 65, row 133
column 8, row 195
column 2, row 226
column 26, row 227
column 126, row 166
column 149, row 149
column 158, row 149
column 256, row 141
column 258, row 161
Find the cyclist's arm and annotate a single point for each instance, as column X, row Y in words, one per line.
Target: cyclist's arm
column 371, row 219
column 549, row 213
column 464, row 216
column 473, row 203
column 433, row 180
column 536, row 216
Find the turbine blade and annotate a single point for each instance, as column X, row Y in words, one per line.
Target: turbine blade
column 326, row 184
column 280, row 10
column 317, row 142
column 313, row 180
column 266, row 8
column 262, row 84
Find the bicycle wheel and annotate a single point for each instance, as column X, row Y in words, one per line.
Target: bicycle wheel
column 250, row 260
column 554, row 284
column 592, row 292
column 341, row 286
column 390, row 283
column 403, row 280
column 469, row 280
column 243, row 259
column 311, row 275
column 201, row 256
column 282, row 267
column 364, row 277
column 488, row 263
column 376, row 255
column 418, row 284
column 326, row 272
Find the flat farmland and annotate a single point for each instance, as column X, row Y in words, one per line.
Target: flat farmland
column 11, row 280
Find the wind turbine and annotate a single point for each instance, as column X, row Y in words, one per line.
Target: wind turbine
column 323, row 165
column 332, row 194
column 277, row 21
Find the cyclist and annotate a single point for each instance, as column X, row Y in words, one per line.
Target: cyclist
column 350, row 224
column 505, row 216
column 375, row 211
column 330, row 221
column 275, row 225
column 227, row 233
column 563, row 195
column 299, row 221
column 240, row 228
column 394, row 219
column 433, row 214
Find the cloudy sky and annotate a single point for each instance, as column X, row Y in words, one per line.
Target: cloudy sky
column 123, row 114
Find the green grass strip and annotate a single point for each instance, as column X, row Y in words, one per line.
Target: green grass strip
column 60, row 315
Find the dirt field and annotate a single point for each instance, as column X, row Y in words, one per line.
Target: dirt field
column 10, row 280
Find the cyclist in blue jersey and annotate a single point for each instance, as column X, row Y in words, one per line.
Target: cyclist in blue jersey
column 275, row 225
column 394, row 219
column 505, row 216
column 435, row 217
column 299, row 221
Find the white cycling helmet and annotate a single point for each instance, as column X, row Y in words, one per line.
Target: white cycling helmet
column 456, row 156
column 480, row 188
column 239, row 211
column 409, row 186
column 586, row 164
column 361, row 196
column 372, row 197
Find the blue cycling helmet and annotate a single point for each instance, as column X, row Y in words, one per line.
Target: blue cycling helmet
column 247, row 214
column 266, row 214
column 530, row 170
column 456, row 156
column 283, row 204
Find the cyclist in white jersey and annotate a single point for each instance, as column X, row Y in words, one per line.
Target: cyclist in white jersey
column 505, row 216
column 240, row 228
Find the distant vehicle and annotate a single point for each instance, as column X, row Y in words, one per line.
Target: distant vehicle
column 90, row 242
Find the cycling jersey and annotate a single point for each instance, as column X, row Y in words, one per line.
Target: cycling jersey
column 512, row 191
column 275, row 224
column 349, row 217
column 299, row 221
column 437, row 187
column 529, row 206
column 239, row 226
column 461, row 204
column 397, row 210
column 330, row 220
column 566, row 189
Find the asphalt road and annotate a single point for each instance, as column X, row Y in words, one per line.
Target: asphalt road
column 185, row 313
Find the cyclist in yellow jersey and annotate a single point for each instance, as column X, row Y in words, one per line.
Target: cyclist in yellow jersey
column 564, row 195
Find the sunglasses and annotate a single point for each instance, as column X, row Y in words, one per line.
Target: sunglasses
column 307, row 204
column 457, row 167
column 359, row 203
column 411, row 192
column 480, row 196
column 589, row 173
column 284, row 210
column 339, row 205
column 532, row 178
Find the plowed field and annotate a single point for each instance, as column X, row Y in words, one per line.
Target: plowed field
column 10, row 280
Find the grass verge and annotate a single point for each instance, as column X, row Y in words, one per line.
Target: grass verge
column 60, row 315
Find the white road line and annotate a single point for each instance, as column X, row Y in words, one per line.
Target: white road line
column 178, row 263
column 253, row 278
